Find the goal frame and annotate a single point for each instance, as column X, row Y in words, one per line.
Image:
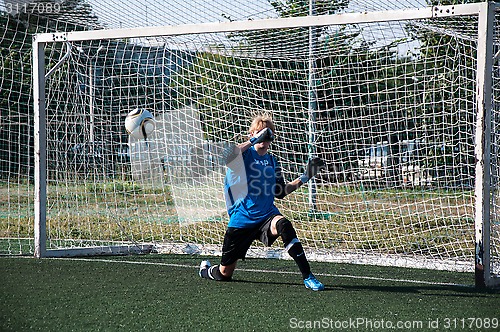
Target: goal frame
column 485, row 12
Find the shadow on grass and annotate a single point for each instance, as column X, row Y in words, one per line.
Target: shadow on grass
column 281, row 283
column 427, row 290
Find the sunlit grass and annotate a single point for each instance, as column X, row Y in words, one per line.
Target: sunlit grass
column 403, row 221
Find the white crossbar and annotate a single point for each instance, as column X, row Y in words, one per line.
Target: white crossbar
column 276, row 23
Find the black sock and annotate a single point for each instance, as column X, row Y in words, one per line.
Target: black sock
column 297, row 253
column 213, row 273
column 204, row 273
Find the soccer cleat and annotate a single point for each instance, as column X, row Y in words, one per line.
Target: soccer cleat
column 204, row 265
column 312, row 283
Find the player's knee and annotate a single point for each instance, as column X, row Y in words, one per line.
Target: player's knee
column 285, row 229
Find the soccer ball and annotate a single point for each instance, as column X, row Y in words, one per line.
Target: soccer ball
column 140, row 123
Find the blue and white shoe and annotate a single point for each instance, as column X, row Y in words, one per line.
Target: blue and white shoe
column 312, row 283
column 204, row 265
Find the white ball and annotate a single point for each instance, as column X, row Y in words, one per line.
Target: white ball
column 140, row 123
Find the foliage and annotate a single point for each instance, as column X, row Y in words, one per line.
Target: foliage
column 16, row 112
column 226, row 88
column 447, row 58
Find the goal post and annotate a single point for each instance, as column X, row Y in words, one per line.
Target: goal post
column 40, row 149
column 402, row 105
column 483, row 138
column 266, row 24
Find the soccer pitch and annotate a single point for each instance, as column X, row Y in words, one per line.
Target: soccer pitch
column 165, row 293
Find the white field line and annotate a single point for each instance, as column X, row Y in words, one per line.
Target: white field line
column 347, row 276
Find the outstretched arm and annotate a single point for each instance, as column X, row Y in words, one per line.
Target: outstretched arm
column 314, row 166
column 290, row 187
column 233, row 151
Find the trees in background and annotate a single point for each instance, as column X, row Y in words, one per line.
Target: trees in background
column 426, row 95
column 16, row 98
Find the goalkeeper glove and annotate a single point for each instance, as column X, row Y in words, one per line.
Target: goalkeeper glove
column 314, row 166
column 265, row 135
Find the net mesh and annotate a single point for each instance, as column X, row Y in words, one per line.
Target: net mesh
column 389, row 106
column 396, row 130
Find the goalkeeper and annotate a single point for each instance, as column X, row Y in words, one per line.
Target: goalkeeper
column 253, row 180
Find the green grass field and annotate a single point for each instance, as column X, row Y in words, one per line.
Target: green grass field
column 164, row 293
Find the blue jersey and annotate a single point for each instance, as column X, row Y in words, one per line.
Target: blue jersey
column 250, row 187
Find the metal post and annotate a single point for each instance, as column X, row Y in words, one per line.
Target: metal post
column 40, row 136
column 312, row 102
column 92, row 83
column 482, row 143
column 91, row 106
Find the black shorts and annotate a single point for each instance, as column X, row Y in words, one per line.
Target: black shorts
column 237, row 241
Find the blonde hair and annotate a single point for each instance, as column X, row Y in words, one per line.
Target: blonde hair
column 261, row 121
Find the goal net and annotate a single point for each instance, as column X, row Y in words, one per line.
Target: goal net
column 391, row 100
